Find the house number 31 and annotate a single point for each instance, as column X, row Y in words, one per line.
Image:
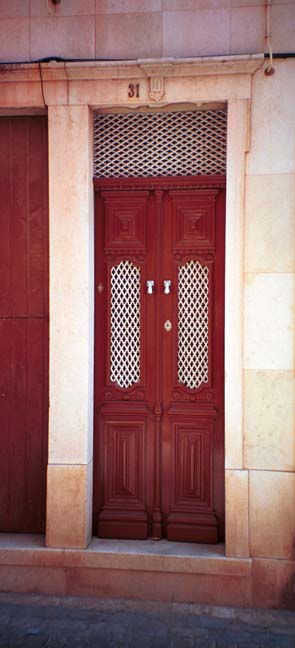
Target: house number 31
column 133, row 90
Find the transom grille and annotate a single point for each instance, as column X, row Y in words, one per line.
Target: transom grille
column 125, row 324
column 193, row 327
column 160, row 144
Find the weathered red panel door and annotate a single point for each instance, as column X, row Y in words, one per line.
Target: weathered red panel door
column 159, row 458
column 23, row 323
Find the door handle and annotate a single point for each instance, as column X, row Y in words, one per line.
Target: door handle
column 150, row 286
column 167, row 286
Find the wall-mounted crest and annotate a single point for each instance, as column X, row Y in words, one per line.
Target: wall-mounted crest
column 157, row 88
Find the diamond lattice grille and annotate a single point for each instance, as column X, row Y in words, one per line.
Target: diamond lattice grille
column 193, row 316
column 125, row 324
column 160, row 144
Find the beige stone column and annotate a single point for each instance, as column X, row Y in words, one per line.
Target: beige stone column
column 69, row 478
column 236, row 479
column 269, row 321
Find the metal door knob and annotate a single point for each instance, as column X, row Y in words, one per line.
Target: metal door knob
column 167, row 286
column 150, row 286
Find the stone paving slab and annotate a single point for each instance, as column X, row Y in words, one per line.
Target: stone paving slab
column 31, row 621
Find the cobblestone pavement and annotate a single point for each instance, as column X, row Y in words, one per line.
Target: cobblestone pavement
column 32, row 621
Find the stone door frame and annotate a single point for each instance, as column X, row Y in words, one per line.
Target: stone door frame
column 70, row 92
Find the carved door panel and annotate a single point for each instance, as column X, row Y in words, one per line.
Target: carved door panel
column 159, row 466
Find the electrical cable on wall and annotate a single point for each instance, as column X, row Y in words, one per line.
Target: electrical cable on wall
column 269, row 71
column 63, row 59
column 42, row 89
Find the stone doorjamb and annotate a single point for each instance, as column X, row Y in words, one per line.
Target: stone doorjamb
column 70, row 91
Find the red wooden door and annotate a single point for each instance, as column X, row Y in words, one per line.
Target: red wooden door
column 159, row 458
column 23, row 323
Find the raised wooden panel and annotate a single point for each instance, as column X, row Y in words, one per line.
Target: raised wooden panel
column 192, row 451
column 192, row 517
column 194, row 222
column 124, row 462
column 123, row 512
column 125, row 221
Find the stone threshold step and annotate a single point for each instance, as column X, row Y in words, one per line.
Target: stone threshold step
column 144, row 570
column 134, row 555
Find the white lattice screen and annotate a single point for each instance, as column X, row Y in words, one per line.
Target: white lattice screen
column 160, row 144
column 193, row 324
column 125, row 324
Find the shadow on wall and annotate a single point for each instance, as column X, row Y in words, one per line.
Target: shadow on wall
column 288, row 594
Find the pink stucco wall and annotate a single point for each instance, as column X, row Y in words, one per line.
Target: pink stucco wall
column 31, row 29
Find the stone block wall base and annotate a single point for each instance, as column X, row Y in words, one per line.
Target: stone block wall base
column 146, row 571
column 69, row 525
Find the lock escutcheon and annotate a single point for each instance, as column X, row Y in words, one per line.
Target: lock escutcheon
column 168, row 326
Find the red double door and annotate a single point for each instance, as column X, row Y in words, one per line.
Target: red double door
column 159, row 370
